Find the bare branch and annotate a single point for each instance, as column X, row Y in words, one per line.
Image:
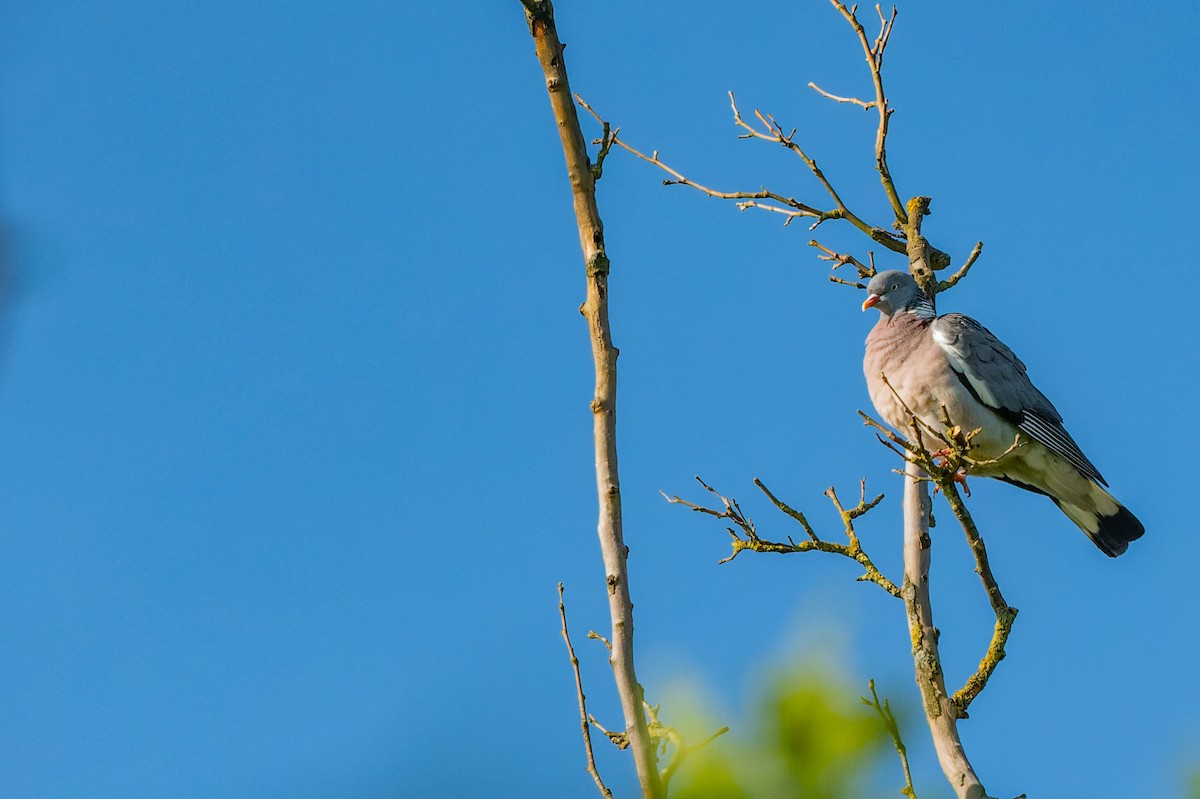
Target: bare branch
column 890, row 724
column 946, row 468
column 962, row 271
column 607, row 137
column 619, row 739
column 940, row 710
column 772, row 131
column 1005, row 614
column 863, row 104
column 792, row 207
column 582, row 175
column 583, row 714
column 598, row 637
column 841, row 259
column 789, row 510
column 874, row 55
column 945, row 476
column 751, row 540
column 788, row 206
column 957, row 460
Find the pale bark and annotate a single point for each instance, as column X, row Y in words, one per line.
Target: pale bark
column 540, row 14
column 939, row 709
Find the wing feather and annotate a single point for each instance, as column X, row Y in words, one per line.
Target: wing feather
column 997, row 378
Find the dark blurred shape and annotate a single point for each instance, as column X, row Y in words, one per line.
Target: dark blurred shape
column 15, row 267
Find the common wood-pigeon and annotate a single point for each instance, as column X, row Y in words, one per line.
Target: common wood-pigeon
column 932, row 361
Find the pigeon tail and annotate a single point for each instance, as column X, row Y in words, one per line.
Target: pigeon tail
column 1109, row 524
column 1116, row 531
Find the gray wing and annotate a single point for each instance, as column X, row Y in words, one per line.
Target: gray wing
column 996, row 377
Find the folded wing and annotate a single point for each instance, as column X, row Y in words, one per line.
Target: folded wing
column 997, row 378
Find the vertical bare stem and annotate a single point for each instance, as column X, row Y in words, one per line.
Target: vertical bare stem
column 540, row 15
column 874, row 54
column 940, row 710
column 585, row 726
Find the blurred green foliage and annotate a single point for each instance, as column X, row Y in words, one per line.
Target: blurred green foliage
column 811, row 737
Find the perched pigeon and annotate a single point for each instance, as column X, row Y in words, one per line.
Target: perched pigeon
column 954, row 361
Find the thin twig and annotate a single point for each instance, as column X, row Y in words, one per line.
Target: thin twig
column 841, row 259
column 884, row 710
column 619, row 739
column 962, row 271
column 874, row 55
column 597, row 636
column 583, row 714
column 793, row 207
column 773, row 132
column 863, row 104
column 788, row 509
column 682, row 749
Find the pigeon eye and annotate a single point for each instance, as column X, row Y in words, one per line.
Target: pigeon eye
column 894, row 286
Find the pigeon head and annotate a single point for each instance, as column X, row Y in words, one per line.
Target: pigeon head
column 894, row 291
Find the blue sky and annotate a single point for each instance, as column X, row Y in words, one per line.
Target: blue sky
column 293, row 387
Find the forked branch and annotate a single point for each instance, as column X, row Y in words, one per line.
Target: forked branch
column 874, row 52
column 840, row 259
column 749, row 539
column 788, row 206
column 946, row 470
column 772, row 131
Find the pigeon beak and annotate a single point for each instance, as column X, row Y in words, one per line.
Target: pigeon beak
column 871, row 301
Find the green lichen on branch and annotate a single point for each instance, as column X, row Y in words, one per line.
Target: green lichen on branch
column 749, row 539
column 947, row 469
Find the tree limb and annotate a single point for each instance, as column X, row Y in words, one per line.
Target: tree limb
column 841, row 259
column 789, row 206
column 540, row 16
column 957, row 461
column 874, row 53
column 1005, row 614
column 951, row 281
column 940, row 710
column 750, row 539
column 773, row 132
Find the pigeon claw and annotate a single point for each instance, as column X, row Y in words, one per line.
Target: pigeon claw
column 941, row 458
column 959, row 477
